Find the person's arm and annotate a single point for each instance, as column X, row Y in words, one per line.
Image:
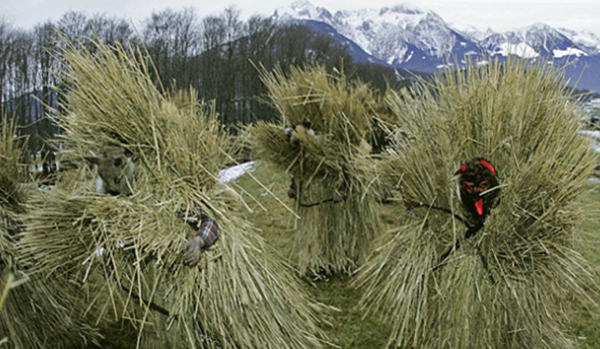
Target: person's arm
column 206, row 236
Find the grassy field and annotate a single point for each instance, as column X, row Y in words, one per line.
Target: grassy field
column 586, row 326
column 347, row 327
column 350, row 329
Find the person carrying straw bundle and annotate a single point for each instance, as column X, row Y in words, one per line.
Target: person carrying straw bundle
column 134, row 244
column 492, row 170
column 116, row 170
column 325, row 122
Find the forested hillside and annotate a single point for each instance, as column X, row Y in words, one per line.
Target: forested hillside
column 219, row 56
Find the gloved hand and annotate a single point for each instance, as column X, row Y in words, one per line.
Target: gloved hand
column 191, row 251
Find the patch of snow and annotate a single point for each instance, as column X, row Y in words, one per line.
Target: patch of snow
column 99, row 251
column 399, row 77
column 444, row 66
column 595, row 180
column 594, row 137
column 232, row 173
column 593, row 134
column 299, row 10
column 521, row 49
column 568, row 52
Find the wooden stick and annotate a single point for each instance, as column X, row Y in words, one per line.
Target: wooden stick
column 315, row 203
column 471, row 231
column 150, row 304
column 437, row 208
column 468, row 234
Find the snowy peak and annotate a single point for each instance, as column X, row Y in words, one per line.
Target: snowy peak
column 301, row 10
column 422, row 41
column 551, row 42
column 583, row 39
column 538, row 40
column 304, row 10
column 388, row 33
column 544, row 38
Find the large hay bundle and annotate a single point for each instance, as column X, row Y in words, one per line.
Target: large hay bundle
column 34, row 312
column 513, row 283
column 328, row 123
column 12, row 193
column 240, row 295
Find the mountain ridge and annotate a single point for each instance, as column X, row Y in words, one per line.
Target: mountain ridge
column 422, row 41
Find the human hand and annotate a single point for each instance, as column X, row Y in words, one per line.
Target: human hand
column 191, row 251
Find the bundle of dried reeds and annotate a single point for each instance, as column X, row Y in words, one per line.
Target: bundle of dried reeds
column 241, row 294
column 511, row 284
column 325, row 123
column 34, row 312
column 12, row 193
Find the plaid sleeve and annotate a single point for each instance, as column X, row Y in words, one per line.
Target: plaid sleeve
column 209, row 230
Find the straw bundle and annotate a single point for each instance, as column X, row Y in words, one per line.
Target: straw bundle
column 34, row 313
column 513, row 283
column 336, row 118
column 12, row 194
column 240, row 295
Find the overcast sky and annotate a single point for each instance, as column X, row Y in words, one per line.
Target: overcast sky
column 500, row 15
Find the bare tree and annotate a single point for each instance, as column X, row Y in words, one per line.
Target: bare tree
column 256, row 50
column 213, row 38
column 7, row 38
column 73, row 25
column 111, row 30
column 173, row 39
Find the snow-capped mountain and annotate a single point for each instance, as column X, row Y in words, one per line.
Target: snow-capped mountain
column 423, row 41
column 536, row 40
column 583, row 39
column 388, row 34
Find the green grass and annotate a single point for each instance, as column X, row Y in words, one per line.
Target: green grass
column 586, row 325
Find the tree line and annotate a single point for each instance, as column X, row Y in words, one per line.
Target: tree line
column 220, row 56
